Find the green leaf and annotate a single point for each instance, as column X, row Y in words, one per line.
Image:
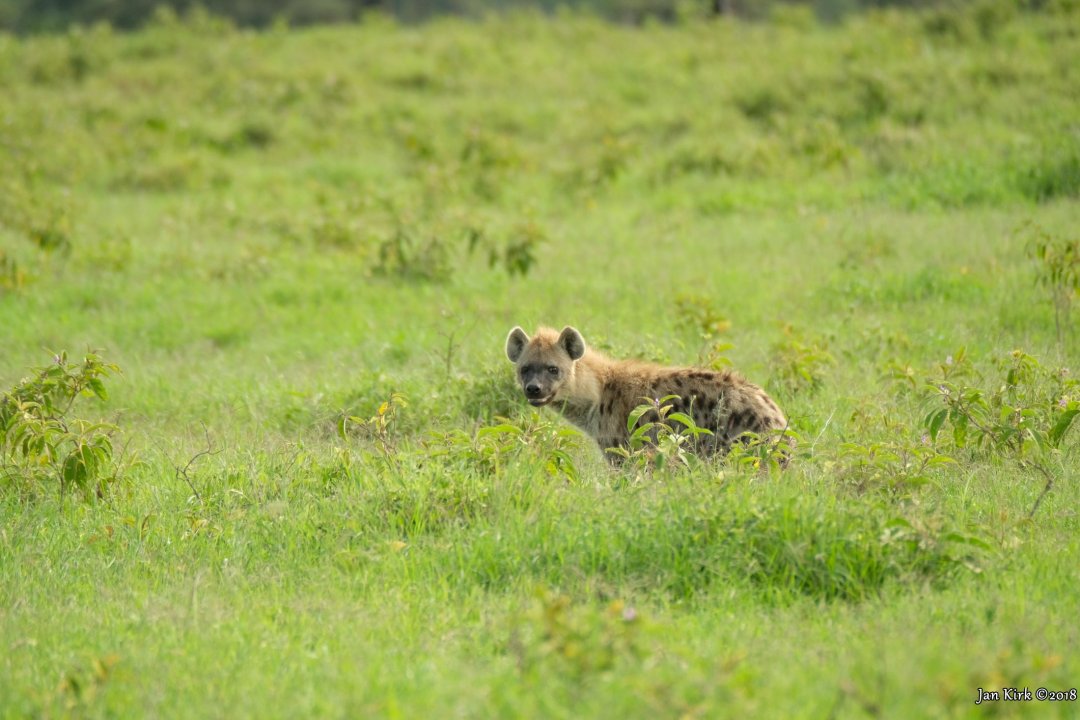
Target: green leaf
column 941, row 460
column 74, row 471
column 683, row 418
column 635, row 415
column 956, row 537
column 1057, row 433
column 935, row 421
column 695, row 431
column 641, row 431
column 98, row 388
column 503, row 429
column 960, row 423
column 914, row 481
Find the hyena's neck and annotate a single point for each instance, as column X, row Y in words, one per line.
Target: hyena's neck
column 579, row 400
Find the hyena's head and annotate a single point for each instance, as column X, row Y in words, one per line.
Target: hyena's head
column 545, row 362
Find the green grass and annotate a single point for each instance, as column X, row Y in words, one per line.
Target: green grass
column 270, row 232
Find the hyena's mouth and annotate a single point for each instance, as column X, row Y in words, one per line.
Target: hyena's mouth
column 541, row 402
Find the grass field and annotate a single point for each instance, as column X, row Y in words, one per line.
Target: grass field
column 324, row 495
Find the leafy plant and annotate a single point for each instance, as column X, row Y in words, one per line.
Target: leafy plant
column 898, row 464
column 488, row 449
column 1025, row 417
column 800, row 363
column 659, row 436
column 41, row 442
column 700, row 316
column 377, row 428
column 756, row 451
column 413, row 255
column 1057, row 270
column 519, row 253
column 1028, row 413
column 516, row 255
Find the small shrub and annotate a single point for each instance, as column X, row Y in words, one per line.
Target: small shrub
column 659, row 436
column 535, row 439
column 378, row 428
column 800, row 363
column 1028, row 412
column 763, row 451
column 1057, row 270
column 42, row 443
column 413, row 255
column 698, row 315
column 898, row 465
column 1024, row 417
column 519, row 253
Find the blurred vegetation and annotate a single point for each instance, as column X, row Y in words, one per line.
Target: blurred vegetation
column 23, row 16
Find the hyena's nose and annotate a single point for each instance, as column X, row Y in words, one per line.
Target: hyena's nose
column 532, row 390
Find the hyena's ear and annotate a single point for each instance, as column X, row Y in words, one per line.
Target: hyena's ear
column 571, row 341
column 515, row 344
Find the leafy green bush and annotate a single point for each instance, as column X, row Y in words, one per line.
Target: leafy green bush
column 1026, row 413
column 1023, row 417
column 43, row 445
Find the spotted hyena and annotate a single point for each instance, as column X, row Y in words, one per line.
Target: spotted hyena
column 597, row 393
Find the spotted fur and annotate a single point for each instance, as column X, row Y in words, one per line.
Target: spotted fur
column 597, row 393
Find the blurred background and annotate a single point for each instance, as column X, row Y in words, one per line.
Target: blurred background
column 49, row 15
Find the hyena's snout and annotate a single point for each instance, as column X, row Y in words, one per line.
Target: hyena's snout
column 537, row 392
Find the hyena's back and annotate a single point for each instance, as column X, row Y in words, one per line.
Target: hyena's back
column 721, row 401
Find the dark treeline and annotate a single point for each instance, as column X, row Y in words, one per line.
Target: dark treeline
column 28, row 16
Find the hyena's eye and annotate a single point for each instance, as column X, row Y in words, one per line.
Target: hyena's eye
column 553, row 370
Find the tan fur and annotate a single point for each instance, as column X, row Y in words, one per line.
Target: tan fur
column 597, row 393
